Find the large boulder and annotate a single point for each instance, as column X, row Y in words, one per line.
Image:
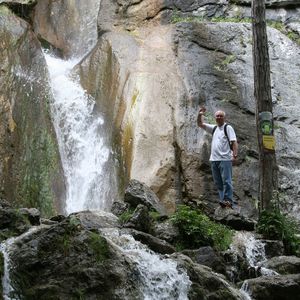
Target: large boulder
column 205, row 283
column 284, row 287
column 284, row 264
column 66, row 261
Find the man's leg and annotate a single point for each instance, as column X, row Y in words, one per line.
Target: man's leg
column 226, row 173
column 216, row 172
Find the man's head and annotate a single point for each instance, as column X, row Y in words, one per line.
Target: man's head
column 220, row 117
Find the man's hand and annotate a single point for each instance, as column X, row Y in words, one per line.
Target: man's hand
column 202, row 110
column 200, row 118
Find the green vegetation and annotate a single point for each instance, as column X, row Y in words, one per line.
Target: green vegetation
column 65, row 241
column 177, row 18
column 99, row 246
column 275, row 225
column 196, row 230
column 231, row 20
column 277, row 25
column 223, row 65
column 127, row 144
column 288, row 32
column 125, row 216
column 154, row 215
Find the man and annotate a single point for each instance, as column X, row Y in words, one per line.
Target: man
column 221, row 156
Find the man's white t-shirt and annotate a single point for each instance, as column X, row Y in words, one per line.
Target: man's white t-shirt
column 220, row 148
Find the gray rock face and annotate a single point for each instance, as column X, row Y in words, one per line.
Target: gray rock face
column 58, row 23
column 155, row 244
column 177, row 68
column 30, row 168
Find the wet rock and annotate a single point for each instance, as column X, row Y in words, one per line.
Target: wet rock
column 140, row 219
column 96, row 219
column 32, row 214
column 284, row 264
column 118, row 208
column 208, row 257
column 66, row 261
column 284, row 287
column 206, row 283
column 165, row 230
column 273, row 248
column 138, row 193
column 30, row 166
column 234, row 219
column 14, row 222
column 154, row 243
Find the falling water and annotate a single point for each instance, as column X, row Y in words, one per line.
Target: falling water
column 159, row 276
column 80, row 133
column 255, row 252
column 255, row 255
column 5, row 249
column 6, row 283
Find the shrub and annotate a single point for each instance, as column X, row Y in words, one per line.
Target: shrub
column 275, row 225
column 197, row 230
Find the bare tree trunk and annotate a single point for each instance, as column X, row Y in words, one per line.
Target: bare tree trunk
column 268, row 181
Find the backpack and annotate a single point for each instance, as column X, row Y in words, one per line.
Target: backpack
column 225, row 131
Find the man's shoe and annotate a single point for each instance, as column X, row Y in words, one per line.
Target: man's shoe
column 222, row 204
column 228, row 204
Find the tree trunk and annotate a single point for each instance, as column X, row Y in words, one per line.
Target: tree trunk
column 268, row 181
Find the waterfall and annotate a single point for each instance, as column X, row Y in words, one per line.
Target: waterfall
column 85, row 159
column 81, row 137
column 160, row 279
column 255, row 254
column 5, row 249
column 6, row 283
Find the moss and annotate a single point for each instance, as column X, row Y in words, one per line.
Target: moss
column 177, row 18
column 38, row 164
column 125, row 216
column 5, row 11
column 134, row 99
column 99, row 246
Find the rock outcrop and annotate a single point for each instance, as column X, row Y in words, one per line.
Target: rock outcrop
column 30, row 168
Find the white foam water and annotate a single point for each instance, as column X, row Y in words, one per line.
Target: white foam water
column 160, row 278
column 81, row 138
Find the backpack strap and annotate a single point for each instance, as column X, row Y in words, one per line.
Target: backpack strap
column 225, row 132
column 214, row 129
